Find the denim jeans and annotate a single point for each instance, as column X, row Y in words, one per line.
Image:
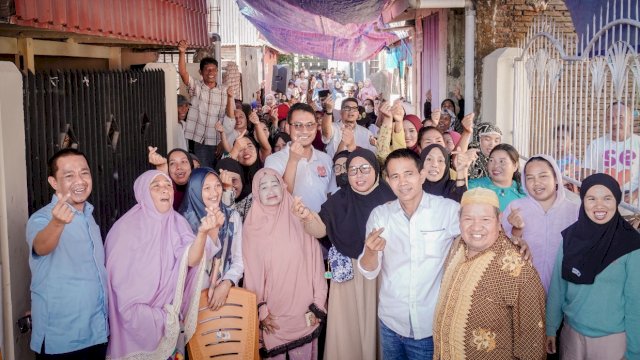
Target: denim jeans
column 398, row 347
column 206, row 154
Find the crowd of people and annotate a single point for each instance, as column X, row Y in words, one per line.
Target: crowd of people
column 354, row 222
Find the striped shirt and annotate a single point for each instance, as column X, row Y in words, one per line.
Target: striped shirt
column 208, row 106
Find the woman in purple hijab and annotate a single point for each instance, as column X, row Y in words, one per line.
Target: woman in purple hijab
column 154, row 263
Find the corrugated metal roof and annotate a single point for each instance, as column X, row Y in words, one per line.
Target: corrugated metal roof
column 235, row 28
column 161, row 22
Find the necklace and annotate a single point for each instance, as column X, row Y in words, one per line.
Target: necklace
column 502, row 192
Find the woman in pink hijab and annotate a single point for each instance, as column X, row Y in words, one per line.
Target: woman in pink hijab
column 154, row 264
column 284, row 267
column 367, row 92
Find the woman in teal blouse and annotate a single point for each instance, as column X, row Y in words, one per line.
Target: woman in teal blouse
column 595, row 287
column 504, row 176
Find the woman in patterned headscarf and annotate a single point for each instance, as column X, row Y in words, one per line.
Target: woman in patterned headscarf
column 487, row 137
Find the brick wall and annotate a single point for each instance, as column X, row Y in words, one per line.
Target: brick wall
column 502, row 23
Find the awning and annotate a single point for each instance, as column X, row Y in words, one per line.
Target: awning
column 338, row 30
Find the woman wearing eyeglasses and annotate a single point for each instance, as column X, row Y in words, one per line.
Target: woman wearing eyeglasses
column 351, row 327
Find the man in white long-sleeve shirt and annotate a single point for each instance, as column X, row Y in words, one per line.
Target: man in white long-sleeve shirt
column 408, row 241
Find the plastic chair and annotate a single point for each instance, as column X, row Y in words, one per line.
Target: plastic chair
column 230, row 332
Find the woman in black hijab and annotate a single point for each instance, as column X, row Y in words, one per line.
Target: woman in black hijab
column 595, row 286
column 351, row 328
column 436, row 162
column 237, row 192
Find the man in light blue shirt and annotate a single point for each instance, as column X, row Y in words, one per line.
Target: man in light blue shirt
column 68, row 276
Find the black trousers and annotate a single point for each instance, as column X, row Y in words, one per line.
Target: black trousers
column 95, row 352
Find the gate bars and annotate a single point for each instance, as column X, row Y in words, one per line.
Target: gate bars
column 565, row 87
column 111, row 116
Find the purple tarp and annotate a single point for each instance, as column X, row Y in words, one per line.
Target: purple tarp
column 320, row 28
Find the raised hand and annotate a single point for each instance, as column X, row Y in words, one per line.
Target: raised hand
column 374, row 241
column 207, row 223
column 296, row 151
column 62, row 212
column 253, row 117
column 218, row 216
column 226, row 179
column 155, row 158
column 229, row 91
column 467, row 122
column 463, row 160
column 182, row 46
column 328, row 104
column 397, row 111
column 298, row 209
column 385, row 110
column 435, row 116
column 274, row 115
column 238, row 145
column 428, row 95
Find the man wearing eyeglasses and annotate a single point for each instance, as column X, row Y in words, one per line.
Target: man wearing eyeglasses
column 346, row 134
column 307, row 172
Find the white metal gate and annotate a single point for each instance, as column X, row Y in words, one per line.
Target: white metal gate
column 571, row 94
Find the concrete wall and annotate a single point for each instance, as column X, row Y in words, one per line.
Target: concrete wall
column 498, row 90
column 502, row 23
column 14, row 252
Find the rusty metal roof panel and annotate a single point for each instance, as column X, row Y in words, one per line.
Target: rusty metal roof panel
column 158, row 22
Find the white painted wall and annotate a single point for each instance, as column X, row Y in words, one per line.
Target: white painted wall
column 14, row 252
column 497, row 90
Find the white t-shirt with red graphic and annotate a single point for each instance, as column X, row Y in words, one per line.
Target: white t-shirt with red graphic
column 314, row 177
column 620, row 159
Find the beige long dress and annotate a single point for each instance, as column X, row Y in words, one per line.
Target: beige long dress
column 352, row 320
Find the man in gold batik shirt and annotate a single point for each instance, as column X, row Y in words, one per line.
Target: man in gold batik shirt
column 491, row 303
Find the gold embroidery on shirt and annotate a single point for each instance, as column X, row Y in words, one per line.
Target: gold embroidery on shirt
column 512, row 263
column 484, row 339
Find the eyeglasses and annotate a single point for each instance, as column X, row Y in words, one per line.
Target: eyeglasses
column 365, row 169
column 308, row 126
column 339, row 167
column 349, row 108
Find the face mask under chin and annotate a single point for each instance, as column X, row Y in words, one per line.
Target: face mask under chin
column 342, row 180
